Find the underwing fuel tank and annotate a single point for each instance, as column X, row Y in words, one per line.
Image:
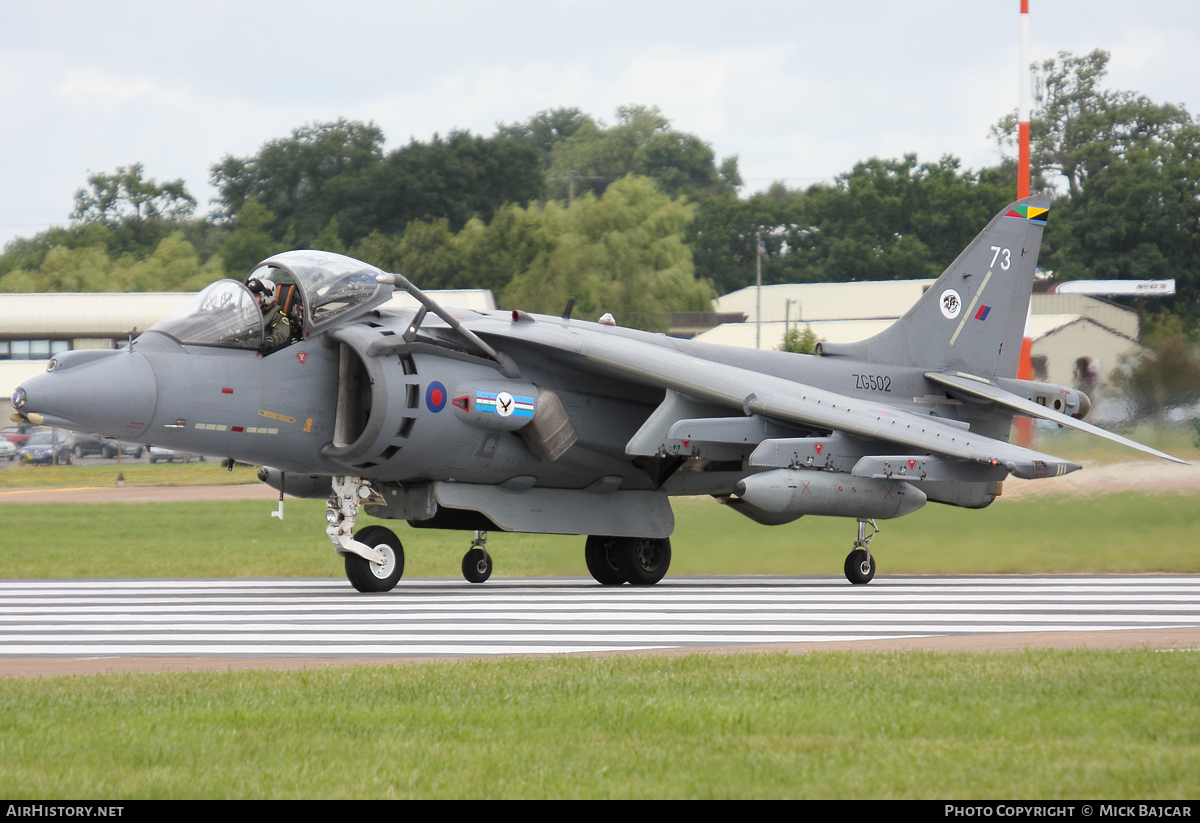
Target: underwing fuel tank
column 792, row 493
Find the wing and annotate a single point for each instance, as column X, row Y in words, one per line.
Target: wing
column 648, row 362
column 987, row 390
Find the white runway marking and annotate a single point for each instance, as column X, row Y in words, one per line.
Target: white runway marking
column 298, row 618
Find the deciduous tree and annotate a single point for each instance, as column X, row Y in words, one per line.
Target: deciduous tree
column 643, row 143
column 126, row 196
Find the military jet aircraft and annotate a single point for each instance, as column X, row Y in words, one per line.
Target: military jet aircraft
column 507, row 420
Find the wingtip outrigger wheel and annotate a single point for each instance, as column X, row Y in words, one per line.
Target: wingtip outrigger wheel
column 477, row 563
column 860, row 565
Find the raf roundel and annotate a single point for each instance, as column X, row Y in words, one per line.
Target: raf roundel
column 435, row 397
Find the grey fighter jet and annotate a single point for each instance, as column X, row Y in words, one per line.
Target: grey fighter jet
column 506, row 420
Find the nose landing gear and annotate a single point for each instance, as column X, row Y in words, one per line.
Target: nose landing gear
column 376, row 577
column 374, row 555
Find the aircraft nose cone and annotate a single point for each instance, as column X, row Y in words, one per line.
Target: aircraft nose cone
column 101, row 391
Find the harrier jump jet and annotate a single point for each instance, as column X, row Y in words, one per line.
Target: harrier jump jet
column 510, row 421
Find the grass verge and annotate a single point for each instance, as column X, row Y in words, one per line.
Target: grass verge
column 208, row 473
column 1124, row 532
column 839, row 725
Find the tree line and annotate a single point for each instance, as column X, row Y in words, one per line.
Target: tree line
column 636, row 217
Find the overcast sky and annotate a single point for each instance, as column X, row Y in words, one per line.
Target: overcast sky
column 799, row 91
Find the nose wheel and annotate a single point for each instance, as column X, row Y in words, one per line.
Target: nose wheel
column 477, row 563
column 367, row 576
column 374, row 557
column 860, row 565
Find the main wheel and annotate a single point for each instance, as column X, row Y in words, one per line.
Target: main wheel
column 477, row 565
column 374, row 577
column 602, row 561
column 77, row 451
column 860, row 569
column 643, row 561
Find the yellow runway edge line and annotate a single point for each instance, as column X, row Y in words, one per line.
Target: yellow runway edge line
column 42, row 491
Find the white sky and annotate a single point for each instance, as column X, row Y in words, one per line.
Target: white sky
column 798, row 90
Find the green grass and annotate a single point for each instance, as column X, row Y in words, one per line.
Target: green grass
column 1125, row 532
column 905, row 725
column 209, row 473
column 897, row 725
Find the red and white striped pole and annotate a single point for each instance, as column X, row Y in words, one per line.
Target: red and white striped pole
column 1023, row 108
column 1024, row 425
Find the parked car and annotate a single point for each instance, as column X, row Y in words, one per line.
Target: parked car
column 7, row 450
column 129, row 449
column 170, row 455
column 86, row 444
column 17, row 435
column 41, row 448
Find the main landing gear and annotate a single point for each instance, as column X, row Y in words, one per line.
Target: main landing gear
column 639, row 561
column 860, row 565
column 374, row 556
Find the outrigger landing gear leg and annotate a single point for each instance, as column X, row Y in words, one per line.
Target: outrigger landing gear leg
column 860, row 565
column 477, row 563
column 374, row 556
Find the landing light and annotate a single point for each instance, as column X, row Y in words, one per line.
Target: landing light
column 18, row 398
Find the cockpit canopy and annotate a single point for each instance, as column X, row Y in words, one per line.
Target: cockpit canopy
column 332, row 287
column 224, row 314
column 314, row 289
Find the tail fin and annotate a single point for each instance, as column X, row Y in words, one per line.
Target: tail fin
column 973, row 317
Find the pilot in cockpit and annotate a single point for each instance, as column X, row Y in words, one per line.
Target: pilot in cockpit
column 277, row 332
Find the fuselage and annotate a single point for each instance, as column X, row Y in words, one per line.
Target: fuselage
column 328, row 405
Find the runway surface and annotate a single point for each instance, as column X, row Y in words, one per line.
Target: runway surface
column 308, row 619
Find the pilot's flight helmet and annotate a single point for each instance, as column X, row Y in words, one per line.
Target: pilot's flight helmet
column 262, row 287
